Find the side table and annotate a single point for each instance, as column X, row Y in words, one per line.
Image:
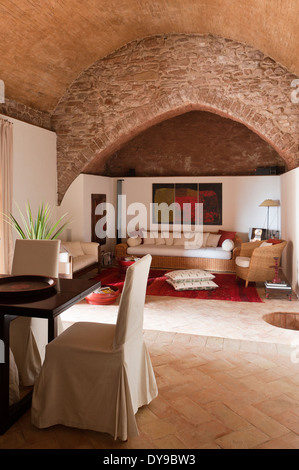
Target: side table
column 282, row 288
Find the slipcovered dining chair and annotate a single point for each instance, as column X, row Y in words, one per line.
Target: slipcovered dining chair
column 28, row 336
column 255, row 262
column 96, row 376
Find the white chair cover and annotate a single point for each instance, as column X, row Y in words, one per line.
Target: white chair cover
column 28, row 336
column 96, row 376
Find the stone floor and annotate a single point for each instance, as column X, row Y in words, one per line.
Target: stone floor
column 227, row 380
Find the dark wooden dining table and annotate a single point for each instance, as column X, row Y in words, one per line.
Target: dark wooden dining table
column 47, row 305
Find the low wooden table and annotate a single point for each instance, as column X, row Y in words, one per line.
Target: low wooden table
column 66, row 293
column 278, row 289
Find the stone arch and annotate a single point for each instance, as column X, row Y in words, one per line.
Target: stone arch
column 160, row 77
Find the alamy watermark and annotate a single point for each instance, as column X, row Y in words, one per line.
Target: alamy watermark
column 133, row 219
column 295, row 93
column 2, row 91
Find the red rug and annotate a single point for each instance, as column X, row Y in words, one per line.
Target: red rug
column 228, row 287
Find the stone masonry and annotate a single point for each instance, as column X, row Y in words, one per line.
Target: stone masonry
column 156, row 78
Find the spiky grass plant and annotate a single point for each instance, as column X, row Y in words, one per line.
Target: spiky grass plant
column 42, row 228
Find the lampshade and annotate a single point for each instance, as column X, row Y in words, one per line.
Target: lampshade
column 269, row 203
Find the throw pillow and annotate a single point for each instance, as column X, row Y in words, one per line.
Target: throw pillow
column 189, row 274
column 263, row 244
column 224, row 235
column 178, row 238
column 274, row 241
column 213, row 240
column 159, row 240
column 205, row 236
column 194, row 242
column 228, row 245
column 147, row 239
column 168, row 237
column 134, row 241
column 192, row 285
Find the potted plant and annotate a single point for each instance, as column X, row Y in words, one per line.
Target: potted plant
column 42, row 228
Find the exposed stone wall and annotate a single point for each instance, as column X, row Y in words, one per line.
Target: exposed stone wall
column 194, row 143
column 148, row 81
column 26, row 114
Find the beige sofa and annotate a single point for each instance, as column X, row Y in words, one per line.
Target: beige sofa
column 180, row 251
column 77, row 257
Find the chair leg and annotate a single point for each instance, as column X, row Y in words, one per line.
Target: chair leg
column 246, row 284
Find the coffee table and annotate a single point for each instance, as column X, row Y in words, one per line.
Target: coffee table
column 46, row 305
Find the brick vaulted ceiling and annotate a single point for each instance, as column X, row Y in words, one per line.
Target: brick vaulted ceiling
column 46, row 44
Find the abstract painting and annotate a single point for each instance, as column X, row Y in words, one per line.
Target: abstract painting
column 209, row 194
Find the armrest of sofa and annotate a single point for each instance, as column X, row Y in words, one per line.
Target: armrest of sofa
column 65, row 267
column 91, row 248
column 121, row 250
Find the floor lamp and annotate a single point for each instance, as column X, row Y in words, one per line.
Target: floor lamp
column 269, row 203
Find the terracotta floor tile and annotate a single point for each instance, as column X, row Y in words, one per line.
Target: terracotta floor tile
column 226, row 416
column 288, row 441
column 276, row 405
column 197, row 437
column 270, row 426
column 190, row 410
column 158, row 428
column 289, row 420
column 209, row 394
column 160, row 408
column 248, row 438
column 169, row 442
column 225, row 380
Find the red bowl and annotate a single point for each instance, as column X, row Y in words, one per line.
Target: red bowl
column 124, row 263
column 101, row 298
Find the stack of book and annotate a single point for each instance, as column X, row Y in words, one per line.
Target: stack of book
column 278, row 285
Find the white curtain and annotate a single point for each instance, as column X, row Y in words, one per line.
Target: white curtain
column 6, row 169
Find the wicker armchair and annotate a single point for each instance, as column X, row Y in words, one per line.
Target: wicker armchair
column 253, row 262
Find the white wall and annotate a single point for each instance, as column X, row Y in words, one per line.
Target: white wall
column 34, row 166
column 290, row 225
column 77, row 204
column 241, row 198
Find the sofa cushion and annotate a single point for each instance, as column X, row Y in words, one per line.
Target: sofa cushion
column 159, row 239
column 205, row 236
column 263, row 244
column 228, row 245
column 274, row 241
column 134, row 241
column 73, row 248
column 213, row 240
column 179, row 250
column 80, row 262
column 242, row 261
column 196, row 284
column 189, row 274
column 148, row 238
column 224, row 235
